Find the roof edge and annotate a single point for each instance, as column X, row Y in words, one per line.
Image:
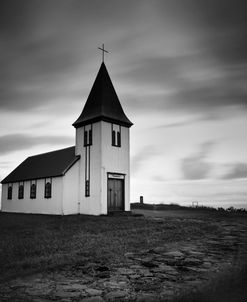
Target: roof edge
column 77, row 157
column 27, row 179
column 102, row 118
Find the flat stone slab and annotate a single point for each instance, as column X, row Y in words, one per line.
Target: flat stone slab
column 93, row 299
column 93, row 292
column 175, row 254
column 113, row 296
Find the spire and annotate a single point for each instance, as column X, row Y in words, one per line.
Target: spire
column 102, row 103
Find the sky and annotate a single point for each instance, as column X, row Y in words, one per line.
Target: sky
column 179, row 69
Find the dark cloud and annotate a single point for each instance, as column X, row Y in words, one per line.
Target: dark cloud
column 42, row 45
column 210, row 75
column 196, row 166
column 16, row 142
column 224, row 28
column 35, row 74
column 154, row 70
column 45, row 43
column 206, row 97
column 166, row 87
column 14, row 18
column 212, row 17
column 238, row 170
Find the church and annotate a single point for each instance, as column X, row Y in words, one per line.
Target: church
column 92, row 177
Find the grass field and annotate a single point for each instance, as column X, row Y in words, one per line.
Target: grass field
column 37, row 243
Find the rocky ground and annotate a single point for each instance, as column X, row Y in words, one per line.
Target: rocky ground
column 156, row 274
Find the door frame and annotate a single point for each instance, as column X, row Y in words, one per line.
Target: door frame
column 119, row 176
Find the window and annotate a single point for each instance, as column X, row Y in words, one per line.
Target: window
column 116, row 138
column 48, row 190
column 85, row 138
column 87, row 188
column 113, row 138
column 33, row 191
column 88, row 137
column 21, row 191
column 10, row 190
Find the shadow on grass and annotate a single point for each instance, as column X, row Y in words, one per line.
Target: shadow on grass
column 230, row 286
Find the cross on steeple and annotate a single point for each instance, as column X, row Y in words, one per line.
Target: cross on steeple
column 103, row 51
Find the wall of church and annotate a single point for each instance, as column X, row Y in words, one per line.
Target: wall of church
column 79, row 139
column 71, row 182
column 104, row 158
column 115, row 160
column 38, row 205
column 90, row 204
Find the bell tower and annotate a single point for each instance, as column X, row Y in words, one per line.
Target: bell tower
column 102, row 141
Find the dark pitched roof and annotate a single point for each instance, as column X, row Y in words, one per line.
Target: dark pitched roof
column 49, row 164
column 102, row 103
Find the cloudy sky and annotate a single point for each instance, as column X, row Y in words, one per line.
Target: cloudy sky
column 179, row 69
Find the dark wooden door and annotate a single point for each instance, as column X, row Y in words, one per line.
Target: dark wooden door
column 115, row 195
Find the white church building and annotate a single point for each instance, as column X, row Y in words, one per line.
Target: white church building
column 92, row 177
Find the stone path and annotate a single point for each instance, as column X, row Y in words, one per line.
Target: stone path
column 149, row 275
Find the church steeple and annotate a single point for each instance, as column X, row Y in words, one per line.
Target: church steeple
column 102, row 103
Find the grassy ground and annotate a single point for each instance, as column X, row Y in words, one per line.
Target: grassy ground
column 36, row 243
column 229, row 286
column 31, row 243
column 193, row 213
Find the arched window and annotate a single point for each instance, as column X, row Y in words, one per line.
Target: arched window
column 10, row 192
column 116, row 136
column 88, row 137
column 21, row 192
column 33, row 191
column 48, row 190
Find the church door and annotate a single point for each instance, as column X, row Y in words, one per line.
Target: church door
column 115, row 194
